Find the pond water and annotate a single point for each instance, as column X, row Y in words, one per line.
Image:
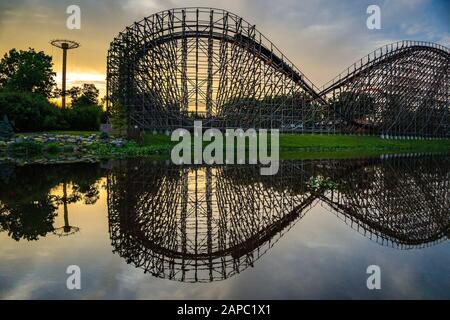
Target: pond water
column 141, row 229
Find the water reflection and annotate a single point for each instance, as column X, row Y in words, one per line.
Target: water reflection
column 29, row 197
column 207, row 223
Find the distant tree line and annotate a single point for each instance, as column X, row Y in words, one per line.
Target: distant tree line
column 26, row 86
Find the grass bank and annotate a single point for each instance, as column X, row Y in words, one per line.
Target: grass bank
column 292, row 146
column 60, row 132
column 296, row 146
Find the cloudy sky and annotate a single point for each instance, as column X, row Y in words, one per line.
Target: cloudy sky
column 321, row 37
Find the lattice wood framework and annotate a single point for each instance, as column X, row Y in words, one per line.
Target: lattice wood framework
column 203, row 223
column 185, row 224
column 188, row 64
column 399, row 90
column 209, row 64
column 402, row 202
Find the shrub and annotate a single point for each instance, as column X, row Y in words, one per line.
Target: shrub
column 84, row 117
column 118, row 117
column 52, row 148
column 6, row 131
column 31, row 112
column 26, row 148
column 68, row 148
column 28, row 111
column 104, row 136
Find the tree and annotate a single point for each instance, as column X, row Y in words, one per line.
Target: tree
column 28, row 220
column 354, row 105
column 86, row 95
column 6, row 131
column 84, row 117
column 118, row 118
column 28, row 111
column 28, row 206
column 28, row 71
column 85, row 113
column 74, row 93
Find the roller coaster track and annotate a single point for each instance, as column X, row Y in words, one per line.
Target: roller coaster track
column 248, row 43
column 206, row 62
column 380, row 56
column 187, row 64
column 400, row 89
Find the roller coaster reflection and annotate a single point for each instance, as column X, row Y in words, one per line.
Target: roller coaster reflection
column 207, row 223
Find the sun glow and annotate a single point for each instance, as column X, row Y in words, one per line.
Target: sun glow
column 78, row 78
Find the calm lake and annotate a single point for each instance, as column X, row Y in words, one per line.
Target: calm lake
column 141, row 229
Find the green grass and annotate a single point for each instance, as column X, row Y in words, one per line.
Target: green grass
column 292, row 146
column 325, row 143
column 62, row 132
column 130, row 149
column 157, row 140
column 312, row 143
column 290, row 142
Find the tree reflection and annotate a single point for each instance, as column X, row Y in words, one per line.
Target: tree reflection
column 28, row 220
column 28, row 206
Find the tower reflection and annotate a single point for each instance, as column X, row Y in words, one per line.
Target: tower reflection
column 207, row 223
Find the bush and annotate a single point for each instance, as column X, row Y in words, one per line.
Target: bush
column 68, row 148
column 104, row 136
column 84, row 117
column 118, row 117
column 26, row 148
column 28, row 112
column 31, row 112
column 52, row 148
column 6, row 131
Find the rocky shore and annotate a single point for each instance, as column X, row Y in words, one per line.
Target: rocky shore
column 57, row 148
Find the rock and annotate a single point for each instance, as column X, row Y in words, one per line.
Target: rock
column 118, row 143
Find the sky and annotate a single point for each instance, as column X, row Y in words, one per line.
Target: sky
column 321, row 37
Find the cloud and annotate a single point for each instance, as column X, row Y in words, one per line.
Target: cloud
column 320, row 37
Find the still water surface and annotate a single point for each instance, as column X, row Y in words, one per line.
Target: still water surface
column 142, row 229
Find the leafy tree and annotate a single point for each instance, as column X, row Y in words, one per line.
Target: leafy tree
column 28, row 207
column 28, row 220
column 28, row 111
column 86, row 95
column 28, row 71
column 84, row 117
column 85, row 113
column 118, row 117
column 74, row 93
column 354, row 106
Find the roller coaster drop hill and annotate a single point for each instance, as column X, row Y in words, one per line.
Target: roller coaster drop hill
column 187, row 64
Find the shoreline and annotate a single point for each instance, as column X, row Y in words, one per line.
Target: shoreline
column 69, row 147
